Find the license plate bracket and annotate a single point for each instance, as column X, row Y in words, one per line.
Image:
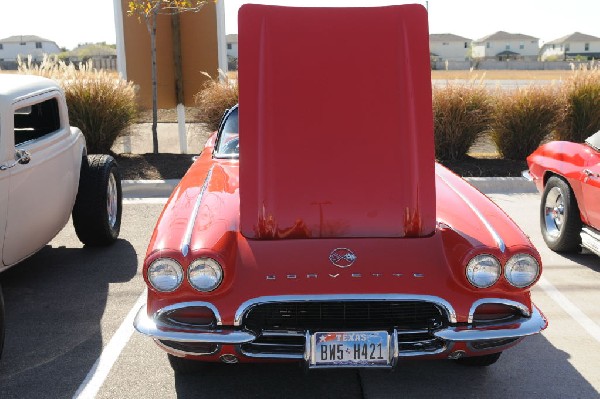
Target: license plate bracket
column 335, row 349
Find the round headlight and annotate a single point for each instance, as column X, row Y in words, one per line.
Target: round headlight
column 205, row 274
column 521, row 270
column 165, row 274
column 483, row 271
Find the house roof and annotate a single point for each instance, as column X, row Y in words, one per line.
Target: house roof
column 447, row 37
column 575, row 37
column 501, row 35
column 24, row 38
column 507, row 52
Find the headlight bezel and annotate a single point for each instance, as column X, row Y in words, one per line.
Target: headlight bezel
column 513, row 259
column 214, row 265
column 470, row 273
column 178, row 271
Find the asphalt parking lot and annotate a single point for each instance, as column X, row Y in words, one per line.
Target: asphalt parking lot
column 69, row 333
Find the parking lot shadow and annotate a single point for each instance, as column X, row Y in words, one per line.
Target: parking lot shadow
column 55, row 301
column 533, row 369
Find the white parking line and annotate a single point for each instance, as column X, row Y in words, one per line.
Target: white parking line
column 572, row 310
column 99, row 371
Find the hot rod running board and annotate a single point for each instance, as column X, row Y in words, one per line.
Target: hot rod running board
column 590, row 239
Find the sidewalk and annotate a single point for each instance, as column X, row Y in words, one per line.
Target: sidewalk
column 168, row 138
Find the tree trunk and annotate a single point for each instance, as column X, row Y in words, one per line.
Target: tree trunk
column 154, row 85
column 177, row 61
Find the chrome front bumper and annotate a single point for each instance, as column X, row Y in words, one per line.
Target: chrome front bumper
column 498, row 335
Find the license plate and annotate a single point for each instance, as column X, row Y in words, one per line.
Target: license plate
column 350, row 349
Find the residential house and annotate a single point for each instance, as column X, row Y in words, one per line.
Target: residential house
column 24, row 46
column 504, row 46
column 449, row 47
column 573, row 46
column 101, row 55
column 232, row 51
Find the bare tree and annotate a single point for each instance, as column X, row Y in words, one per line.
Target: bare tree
column 149, row 10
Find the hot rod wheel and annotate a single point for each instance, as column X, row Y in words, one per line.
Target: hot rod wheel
column 98, row 207
column 559, row 216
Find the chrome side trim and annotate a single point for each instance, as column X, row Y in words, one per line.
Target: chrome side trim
column 182, row 305
column 499, row 242
column 517, row 329
column 147, row 326
column 524, row 310
column 246, row 306
column 187, row 238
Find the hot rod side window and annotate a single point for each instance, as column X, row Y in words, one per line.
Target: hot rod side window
column 35, row 121
column 228, row 139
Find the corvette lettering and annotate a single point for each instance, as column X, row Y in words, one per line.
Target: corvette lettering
column 353, row 275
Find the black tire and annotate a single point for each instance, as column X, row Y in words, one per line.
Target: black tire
column 479, row 361
column 560, row 220
column 96, row 223
column 184, row 366
column 1, row 322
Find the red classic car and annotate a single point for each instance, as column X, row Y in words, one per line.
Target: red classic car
column 322, row 230
column 568, row 176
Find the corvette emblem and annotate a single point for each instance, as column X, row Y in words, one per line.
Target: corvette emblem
column 342, row 257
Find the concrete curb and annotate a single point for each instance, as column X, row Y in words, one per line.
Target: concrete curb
column 487, row 185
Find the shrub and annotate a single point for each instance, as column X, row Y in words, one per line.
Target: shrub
column 522, row 119
column 579, row 116
column 216, row 96
column 100, row 103
column 460, row 114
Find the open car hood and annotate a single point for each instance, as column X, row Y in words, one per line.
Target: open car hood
column 336, row 122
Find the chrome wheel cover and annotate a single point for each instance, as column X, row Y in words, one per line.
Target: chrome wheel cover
column 112, row 206
column 554, row 212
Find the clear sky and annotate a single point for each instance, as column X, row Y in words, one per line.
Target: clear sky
column 70, row 22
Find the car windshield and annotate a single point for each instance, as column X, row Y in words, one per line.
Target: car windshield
column 594, row 141
column 228, row 142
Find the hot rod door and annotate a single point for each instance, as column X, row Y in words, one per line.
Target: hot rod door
column 590, row 187
column 42, row 189
column 5, row 157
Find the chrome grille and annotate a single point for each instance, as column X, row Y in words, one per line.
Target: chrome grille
column 348, row 315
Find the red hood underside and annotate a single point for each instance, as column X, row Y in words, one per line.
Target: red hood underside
column 336, row 122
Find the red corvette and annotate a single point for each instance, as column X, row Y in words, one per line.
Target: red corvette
column 568, row 176
column 322, row 231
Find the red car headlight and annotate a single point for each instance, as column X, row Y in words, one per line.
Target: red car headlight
column 483, row 271
column 205, row 274
column 521, row 270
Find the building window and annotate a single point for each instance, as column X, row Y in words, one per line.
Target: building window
column 487, row 45
column 521, row 46
column 1, row 46
column 445, row 44
column 587, row 47
column 38, row 44
column 23, row 43
column 553, row 46
column 466, row 45
column 567, row 47
column 508, row 46
column 229, row 46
